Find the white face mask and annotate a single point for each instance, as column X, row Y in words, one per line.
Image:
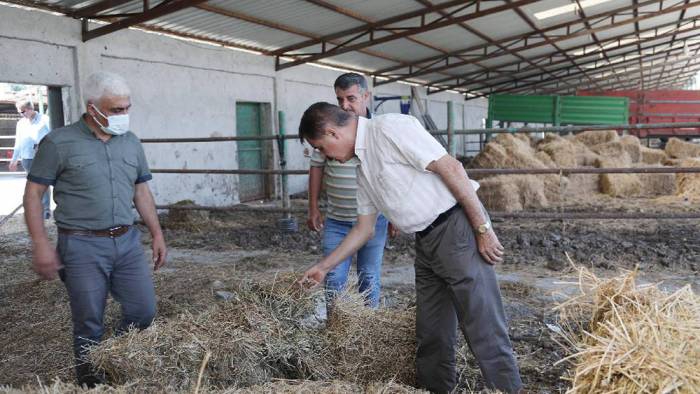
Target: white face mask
column 116, row 124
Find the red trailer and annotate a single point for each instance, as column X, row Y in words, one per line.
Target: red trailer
column 659, row 106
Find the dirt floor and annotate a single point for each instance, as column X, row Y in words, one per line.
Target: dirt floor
column 34, row 316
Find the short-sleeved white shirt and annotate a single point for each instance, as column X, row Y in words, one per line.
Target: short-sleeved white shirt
column 394, row 151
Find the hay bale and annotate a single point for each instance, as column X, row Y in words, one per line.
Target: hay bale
column 506, row 151
column 677, row 149
column 580, row 185
column 613, row 150
column 370, row 345
column 618, row 185
column 59, row 387
column 626, row 338
column 651, row 156
column 584, row 155
column 259, row 336
column 179, row 218
column 509, row 193
column 657, row 184
column 545, row 159
column 561, row 151
column 497, row 194
column 688, row 185
column 596, row 137
column 632, row 146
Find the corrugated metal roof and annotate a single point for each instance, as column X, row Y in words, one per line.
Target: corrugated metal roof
column 445, row 42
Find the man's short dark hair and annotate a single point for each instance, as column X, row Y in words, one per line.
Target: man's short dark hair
column 348, row 80
column 318, row 116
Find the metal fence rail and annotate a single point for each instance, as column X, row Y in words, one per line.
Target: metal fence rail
column 494, row 215
column 473, row 171
column 494, row 130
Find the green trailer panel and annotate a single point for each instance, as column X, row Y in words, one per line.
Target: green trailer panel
column 534, row 109
column 591, row 110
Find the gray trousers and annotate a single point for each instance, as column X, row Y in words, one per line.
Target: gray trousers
column 96, row 266
column 456, row 286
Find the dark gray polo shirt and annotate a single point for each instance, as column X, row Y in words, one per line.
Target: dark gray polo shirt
column 93, row 181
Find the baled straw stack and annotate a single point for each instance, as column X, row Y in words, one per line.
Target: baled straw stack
column 618, row 185
column 561, row 151
column 626, row 338
column 657, row 184
column 59, row 387
column 651, row 156
column 678, row 149
column 688, row 185
column 596, row 137
column 507, row 151
column 510, row 193
column 369, row 345
column 632, row 146
column 260, row 335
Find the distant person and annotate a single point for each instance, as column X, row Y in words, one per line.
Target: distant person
column 31, row 129
column 408, row 176
column 339, row 180
column 98, row 169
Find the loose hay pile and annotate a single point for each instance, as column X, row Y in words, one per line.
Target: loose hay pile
column 626, row 338
column 267, row 331
column 260, row 335
column 372, row 345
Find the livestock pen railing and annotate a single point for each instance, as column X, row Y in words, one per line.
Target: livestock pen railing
column 450, row 132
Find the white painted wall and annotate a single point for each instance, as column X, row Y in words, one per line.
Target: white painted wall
column 180, row 89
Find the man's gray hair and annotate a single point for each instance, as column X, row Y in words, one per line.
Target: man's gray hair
column 104, row 83
column 348, row 80
column 24, row 103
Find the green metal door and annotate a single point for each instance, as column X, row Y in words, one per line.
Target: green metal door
column 250, row 153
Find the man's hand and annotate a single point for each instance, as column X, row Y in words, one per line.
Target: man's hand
column 313, row 276
column 13, row 166
column 45, row 261
column 315, row 221
column 393, row 231
column 489, row 247
column 160, row 253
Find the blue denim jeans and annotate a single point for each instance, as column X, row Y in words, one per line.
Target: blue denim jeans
column 97, row 266
column 27, row 164
column 369, row 260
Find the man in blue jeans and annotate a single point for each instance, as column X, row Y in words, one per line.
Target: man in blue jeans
column 340, row 184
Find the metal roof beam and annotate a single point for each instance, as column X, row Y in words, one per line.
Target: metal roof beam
column 94, row 9
column 514, row 39
column 549, row 56
column 490, row 40
column 680, row 18
column 542, row 43
column 534, row 85
column 155, row 12
column 692, row 21
column 371, row 28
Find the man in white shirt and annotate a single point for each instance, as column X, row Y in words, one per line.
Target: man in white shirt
column 30, row 130
column 408, row 176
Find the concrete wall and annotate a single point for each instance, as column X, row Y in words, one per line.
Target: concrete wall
column 179, row 89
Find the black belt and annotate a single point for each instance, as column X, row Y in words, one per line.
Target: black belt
column 112, row 232
column 438, row 221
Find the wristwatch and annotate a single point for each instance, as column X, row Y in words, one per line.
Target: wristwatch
column 483, row 228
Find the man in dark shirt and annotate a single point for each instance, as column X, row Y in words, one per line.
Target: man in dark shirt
column 97, row 168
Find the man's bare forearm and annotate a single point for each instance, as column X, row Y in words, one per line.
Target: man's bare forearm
column 455, row 177
column 145, row 205
column 34, row 212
